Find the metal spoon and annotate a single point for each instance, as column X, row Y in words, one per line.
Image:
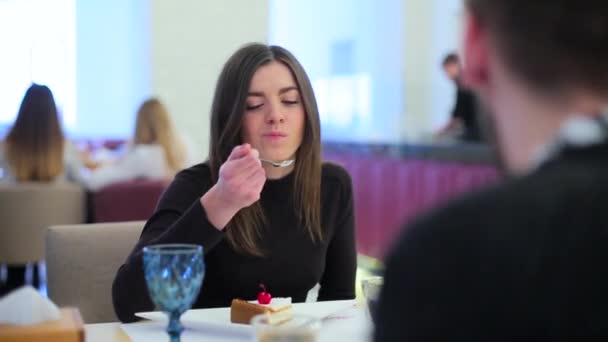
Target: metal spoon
column 284, row 163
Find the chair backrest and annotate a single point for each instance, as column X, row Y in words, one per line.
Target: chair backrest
column 27, row 209
column 127, row 201
column 82, row 261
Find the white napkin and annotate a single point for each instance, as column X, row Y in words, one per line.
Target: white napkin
column 26, row 306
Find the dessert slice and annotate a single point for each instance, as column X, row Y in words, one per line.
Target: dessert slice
column 278, row 310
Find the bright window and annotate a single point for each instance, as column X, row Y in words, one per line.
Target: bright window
column 352, row 54
column 37, row 39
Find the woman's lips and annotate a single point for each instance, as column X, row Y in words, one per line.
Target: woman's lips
column 275, row 135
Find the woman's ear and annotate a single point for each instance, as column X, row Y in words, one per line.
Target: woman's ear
column 475, row 51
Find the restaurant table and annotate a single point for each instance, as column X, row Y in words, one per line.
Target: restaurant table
column 110, row 332
column 347, row 320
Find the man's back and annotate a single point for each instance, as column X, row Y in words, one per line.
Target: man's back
column 465, row 110
column 524, row 259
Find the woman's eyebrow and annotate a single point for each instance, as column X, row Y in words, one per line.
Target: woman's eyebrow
column 281, row 91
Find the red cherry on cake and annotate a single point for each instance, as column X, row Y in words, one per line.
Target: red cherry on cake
column 264, row 297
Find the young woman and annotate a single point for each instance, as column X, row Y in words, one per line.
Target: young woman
column 35, row 148
column 288, row 227
column 156, row 151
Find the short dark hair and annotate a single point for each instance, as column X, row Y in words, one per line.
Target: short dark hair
column 553, row 45
column 450, row 58
column 227, row 111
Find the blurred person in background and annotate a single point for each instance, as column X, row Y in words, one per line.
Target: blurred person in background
column 463, row 123
column 35, row 149
column 525, row 259
column 156, row 151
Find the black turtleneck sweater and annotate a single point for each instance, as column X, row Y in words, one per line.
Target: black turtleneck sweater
column 292, row 263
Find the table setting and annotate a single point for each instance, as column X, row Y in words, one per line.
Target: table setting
column 174, row 274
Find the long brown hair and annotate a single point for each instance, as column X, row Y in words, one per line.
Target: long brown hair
column 227, row 113
column 153, row 126
column 34, row 146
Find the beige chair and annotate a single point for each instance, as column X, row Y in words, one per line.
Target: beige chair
column 82, row 261
column 27, row 209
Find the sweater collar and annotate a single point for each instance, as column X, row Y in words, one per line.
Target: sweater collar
column 581, row 131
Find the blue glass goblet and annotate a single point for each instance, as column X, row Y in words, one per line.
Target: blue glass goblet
column 174, row 274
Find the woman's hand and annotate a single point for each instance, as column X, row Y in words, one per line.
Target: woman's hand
column 241, row 179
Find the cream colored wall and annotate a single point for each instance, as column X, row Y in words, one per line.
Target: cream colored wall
column 190, row 41
column 431, row 29
column 417, row 66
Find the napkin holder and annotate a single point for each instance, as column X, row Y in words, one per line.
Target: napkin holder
column 69, row 328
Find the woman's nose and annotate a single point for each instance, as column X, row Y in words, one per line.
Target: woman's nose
column 275, row 115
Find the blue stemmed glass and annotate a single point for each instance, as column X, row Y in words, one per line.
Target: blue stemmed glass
column 174, row 274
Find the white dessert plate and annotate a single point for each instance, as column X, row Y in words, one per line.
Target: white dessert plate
column 220, row 318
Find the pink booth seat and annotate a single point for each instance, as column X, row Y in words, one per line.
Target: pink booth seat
column 127, row 201
column 390, row 192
